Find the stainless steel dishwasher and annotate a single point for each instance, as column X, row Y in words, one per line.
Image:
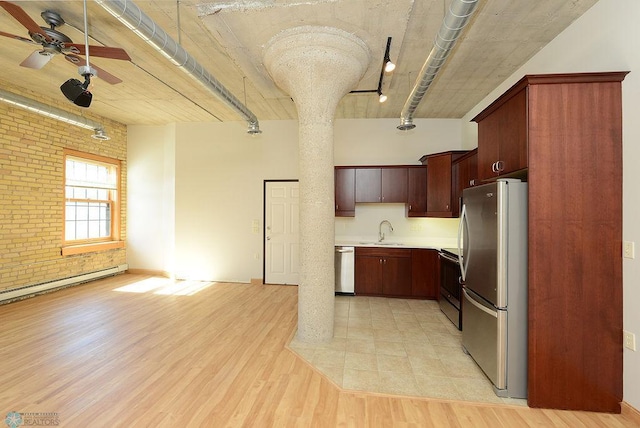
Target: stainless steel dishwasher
column 345, row 262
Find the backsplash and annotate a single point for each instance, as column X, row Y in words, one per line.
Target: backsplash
column 364, row 226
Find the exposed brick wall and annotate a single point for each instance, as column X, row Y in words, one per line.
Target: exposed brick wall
column 31, row 192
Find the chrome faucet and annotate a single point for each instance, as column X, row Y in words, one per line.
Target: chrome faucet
column 380, row 234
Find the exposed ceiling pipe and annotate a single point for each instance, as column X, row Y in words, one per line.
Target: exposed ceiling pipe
column 53, row 113
column 136, row 20
column 454, row 21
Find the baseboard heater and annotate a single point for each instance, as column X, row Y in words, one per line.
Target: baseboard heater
column 29, row 290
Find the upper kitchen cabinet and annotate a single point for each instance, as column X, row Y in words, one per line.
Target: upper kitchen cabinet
column 417, row 191
column 464, row 173
column 381, row 184
column 440, row 183
column 502, row 134
column 345, row 188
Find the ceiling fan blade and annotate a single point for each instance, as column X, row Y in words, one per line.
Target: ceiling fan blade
column 13, row 36
column 36, row 60
column 102, row 74
column 21, row 16
column 106, row 76
column 99, row 51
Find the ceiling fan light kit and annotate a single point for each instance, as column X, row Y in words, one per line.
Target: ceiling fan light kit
column 77, row 92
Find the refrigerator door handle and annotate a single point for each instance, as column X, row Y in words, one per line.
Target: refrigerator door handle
column 483, row 308
column 463, row 221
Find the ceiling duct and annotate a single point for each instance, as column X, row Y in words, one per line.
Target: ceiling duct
column 53, row 113
column 454, row 21
column 136, row 20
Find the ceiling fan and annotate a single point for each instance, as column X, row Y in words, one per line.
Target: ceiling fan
column 54, row 42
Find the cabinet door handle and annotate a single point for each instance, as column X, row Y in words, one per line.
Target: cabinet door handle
column 380, row 261
column 409, row 207
column 493, row 167
column 499, row 166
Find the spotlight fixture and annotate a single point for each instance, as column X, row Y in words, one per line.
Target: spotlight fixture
column 382, row 97
column 389, row 66
column 77, row 92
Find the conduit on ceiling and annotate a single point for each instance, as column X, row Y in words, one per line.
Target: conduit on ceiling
column 137, row 21
column 454, row 21
column 54, row 113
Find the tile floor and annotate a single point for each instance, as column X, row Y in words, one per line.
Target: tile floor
column 398, row 346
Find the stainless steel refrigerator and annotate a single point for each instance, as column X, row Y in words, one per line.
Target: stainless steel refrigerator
column 493, row 236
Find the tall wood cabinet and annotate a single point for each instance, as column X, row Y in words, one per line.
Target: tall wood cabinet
column 571, row 127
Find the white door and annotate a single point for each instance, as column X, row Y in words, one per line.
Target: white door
column 281, row 232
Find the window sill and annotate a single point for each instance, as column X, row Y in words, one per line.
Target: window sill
column 92, row 247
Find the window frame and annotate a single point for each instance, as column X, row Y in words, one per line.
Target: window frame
column 92, row 244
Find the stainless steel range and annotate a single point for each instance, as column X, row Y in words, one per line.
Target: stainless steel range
column 450, row 285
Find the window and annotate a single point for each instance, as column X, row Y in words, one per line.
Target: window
column 91, row 203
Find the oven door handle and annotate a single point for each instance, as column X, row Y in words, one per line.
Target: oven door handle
column 449, row 258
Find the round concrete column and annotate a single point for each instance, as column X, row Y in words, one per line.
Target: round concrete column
column 316, row 66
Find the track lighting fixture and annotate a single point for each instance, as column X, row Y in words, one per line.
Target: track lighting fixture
column 387, row 67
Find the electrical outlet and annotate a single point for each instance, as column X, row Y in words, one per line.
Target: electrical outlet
column 629, row 340
column 628, row 250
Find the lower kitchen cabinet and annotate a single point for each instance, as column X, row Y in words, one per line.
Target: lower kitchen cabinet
column 424, row 273
column 383, row 272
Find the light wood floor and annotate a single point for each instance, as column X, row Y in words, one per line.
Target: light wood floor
column 144, row 357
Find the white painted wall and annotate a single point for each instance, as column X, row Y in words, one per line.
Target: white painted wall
column 218, row 172
column 150, row 197
column 379, row 142
column 605, row 38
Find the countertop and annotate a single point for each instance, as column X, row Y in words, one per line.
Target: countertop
column 433, row 244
